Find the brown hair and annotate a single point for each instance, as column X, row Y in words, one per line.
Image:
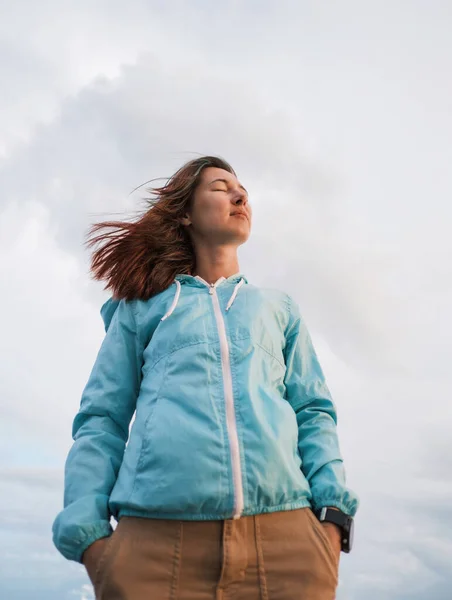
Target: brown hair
column 141, row 258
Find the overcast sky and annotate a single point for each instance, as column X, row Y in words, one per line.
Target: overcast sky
column 337, row 117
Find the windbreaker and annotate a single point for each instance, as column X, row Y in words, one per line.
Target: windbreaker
column 205, row 402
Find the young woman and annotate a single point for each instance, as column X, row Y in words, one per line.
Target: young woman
column 230, row 482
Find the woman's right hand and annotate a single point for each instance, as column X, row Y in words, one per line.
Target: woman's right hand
column 92, row 555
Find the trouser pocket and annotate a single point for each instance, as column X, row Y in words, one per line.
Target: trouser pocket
column 322, row 537
column 102, row 562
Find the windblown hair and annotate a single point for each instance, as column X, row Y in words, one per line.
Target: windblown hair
column 141, row 258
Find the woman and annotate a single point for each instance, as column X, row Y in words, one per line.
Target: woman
column 230, row 482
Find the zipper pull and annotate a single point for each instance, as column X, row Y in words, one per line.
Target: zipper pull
column 212, row 287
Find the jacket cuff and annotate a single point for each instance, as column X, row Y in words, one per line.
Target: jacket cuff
column 328, row 488
column 74, row 543
column 349, row 508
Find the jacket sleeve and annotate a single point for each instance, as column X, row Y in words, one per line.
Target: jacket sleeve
column 318, row 444
column 100, row 432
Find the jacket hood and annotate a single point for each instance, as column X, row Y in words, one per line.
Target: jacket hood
column 238, row 279
column 108, row 310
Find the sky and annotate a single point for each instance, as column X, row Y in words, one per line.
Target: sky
column 337, row 117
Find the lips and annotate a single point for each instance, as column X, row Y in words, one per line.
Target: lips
column 239, row 214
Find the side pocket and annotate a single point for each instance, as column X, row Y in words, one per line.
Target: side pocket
column 147, row 433
column 98, row 576
column 318, row 529
column 148, row 423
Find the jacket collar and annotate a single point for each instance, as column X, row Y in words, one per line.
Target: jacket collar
column 192, row 280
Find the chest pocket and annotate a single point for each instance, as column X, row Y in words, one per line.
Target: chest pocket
column 190, row 324
column 259, row 319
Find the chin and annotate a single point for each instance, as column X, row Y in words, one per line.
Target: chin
column 238, row 235
column 241, row 239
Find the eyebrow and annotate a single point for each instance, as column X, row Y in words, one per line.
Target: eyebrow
column 227, row 182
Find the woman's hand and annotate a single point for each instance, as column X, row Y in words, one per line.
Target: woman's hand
column 92, row 555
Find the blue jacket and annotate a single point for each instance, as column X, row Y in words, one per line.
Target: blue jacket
column 233, row 416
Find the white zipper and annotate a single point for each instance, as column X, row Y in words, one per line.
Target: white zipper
column 229, row 398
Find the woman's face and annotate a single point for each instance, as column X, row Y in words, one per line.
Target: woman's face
column 220, row 210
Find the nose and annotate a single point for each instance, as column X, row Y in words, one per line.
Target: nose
column 241, row 199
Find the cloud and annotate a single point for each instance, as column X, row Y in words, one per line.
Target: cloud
column 143, row 124
column 30, row 565
column 326, row 116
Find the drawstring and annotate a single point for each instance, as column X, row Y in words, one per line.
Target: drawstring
column 175, row 301
column 236, row 289
column 177, row 294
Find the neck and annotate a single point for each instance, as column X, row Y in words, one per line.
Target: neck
column 213, row 263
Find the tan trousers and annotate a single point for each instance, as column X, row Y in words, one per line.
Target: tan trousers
column 277, row 556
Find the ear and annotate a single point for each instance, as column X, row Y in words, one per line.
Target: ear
column 185, row 220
